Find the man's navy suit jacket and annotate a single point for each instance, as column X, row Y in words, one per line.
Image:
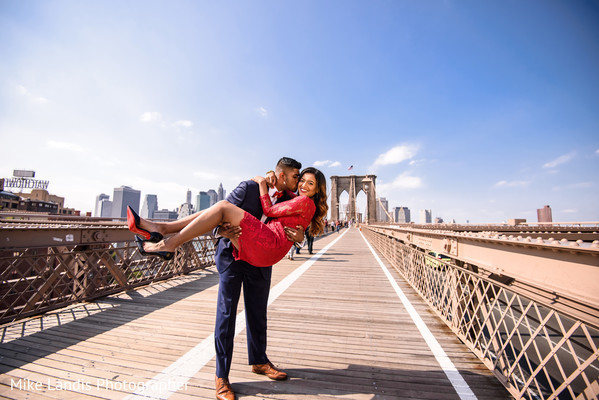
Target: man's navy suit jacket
column 247, row 197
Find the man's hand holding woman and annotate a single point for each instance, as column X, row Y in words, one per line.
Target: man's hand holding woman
column 229, row 231
column 295, row 235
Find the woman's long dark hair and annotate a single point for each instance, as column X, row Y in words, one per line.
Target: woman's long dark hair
column 320, row 201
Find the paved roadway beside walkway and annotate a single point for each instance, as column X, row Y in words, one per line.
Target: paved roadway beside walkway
column 336, row 324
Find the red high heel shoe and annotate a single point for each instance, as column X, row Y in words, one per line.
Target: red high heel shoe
column 133, row 222
column 165, row 255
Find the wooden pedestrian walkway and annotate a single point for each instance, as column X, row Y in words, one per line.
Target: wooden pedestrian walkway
column 336, row 325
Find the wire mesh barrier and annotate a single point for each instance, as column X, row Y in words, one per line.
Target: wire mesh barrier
column 535, row 350
column 86, row 263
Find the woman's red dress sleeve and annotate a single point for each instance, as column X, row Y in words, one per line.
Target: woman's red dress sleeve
column 296, row 206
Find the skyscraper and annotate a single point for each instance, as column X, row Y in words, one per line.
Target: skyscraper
column 101, row 197
column 382, row 209
column 150, row 206
column 402, row 215
column 124, row 196
column 425, row 216
column 544, row 214
column 202, row 201
column 185, row 210
column 105, row 208
column 166, row 214
column 213, row 197
column 221, row 192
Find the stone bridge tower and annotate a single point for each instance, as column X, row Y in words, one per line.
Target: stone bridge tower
column 353, row 185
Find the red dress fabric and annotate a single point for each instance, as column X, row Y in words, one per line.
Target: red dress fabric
column 263, row 245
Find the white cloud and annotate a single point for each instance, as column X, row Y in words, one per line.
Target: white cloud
column 151, row 116
column 22, row 91
column 322, row 163
column 396, row 155
column 263, row 112
column 183, row 124
column 512, row 184
column 560, row 160
column 326, row 163
column 597, row 151
column 64, row 146
column 403, row 181
column 570, row 211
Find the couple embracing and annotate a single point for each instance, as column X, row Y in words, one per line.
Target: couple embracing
column 258, row 226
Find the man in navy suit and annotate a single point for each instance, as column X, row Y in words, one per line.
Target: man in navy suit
column 255, row 281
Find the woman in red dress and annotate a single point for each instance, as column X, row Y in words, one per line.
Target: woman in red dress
column 259, row 244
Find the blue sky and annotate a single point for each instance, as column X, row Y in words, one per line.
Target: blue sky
column 478, row 110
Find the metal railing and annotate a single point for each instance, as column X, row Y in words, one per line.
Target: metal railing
column 534, row 349
column 50, row 265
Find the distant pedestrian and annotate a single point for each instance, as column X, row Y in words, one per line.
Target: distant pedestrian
column 309, row 241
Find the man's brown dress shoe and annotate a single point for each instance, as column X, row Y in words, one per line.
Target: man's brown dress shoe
column 269, row 370
column 224, row 391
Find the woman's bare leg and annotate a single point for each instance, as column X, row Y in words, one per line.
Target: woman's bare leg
column 166, row 228
column 203, row 222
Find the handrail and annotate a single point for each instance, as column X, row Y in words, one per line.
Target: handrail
column 537, row 350
column 563, row 272
column 44, row 266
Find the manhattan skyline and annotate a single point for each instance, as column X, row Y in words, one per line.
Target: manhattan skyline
column 479, row 111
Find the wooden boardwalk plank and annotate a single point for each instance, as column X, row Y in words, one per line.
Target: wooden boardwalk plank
column 340, row 332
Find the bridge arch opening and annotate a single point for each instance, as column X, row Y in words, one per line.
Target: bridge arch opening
column 361, row 204
column 343, row 204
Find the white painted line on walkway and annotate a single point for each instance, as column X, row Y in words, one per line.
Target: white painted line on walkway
column 175, row 377
column 457, row 381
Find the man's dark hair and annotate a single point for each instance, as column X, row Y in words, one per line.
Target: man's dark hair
column 288, row 163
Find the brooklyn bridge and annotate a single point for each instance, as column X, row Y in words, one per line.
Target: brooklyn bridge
column 379, row 311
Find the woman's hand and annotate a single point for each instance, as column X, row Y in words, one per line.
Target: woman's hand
column 262, row 183
column 271, row 179
column 259, row 180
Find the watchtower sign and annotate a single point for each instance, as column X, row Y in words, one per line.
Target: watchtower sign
column 25, row 183
column 22, row 180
